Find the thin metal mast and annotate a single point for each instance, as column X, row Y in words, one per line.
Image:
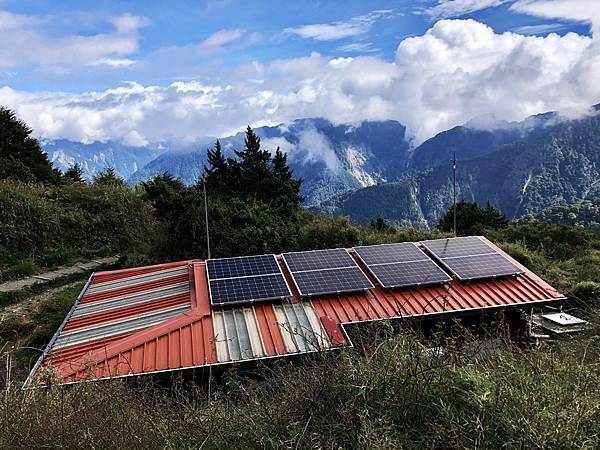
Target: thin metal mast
column 454, row 190
column 206, row 216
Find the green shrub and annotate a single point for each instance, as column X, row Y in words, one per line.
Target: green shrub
column 19, row 270
column 53, row 225
column 587, row 292
column 521, row 253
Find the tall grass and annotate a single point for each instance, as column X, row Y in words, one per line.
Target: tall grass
column 390, row 394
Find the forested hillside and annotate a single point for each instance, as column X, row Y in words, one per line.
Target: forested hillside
column 561, row 165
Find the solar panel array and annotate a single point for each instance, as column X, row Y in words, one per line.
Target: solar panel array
column 401, row 265
column 325, row 272
column 470, row 258
column 245, row 279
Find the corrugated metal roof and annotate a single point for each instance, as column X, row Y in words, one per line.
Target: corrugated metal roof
column 159, row 318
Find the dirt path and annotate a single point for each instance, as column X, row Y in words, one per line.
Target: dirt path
column 31, row 305
column 58, row 273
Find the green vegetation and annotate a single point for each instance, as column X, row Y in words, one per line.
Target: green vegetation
column 21, row 157
column 49, row 225
column 471, row 219
column 390, row 395
column 581, row 214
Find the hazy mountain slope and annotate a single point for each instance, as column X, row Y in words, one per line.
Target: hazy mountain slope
column 477, row 138
column 331, row 159
column 560, row 165
column 97, row 156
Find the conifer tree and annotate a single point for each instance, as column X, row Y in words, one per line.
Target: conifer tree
column 21, row 157
column 74, row 174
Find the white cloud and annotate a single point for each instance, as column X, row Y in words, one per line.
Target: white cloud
column 455, row 8
column 220, row 38
column 30, row 44
column 541, row 28
column 356, row 26
column 578, row 10
column 457, row 70
column 362, row 47
column 113, row 62
column 312, row 147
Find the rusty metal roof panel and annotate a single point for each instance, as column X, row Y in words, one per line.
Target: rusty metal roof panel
column 159, row 318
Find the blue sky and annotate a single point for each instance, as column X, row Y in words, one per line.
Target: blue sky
column 149, row 63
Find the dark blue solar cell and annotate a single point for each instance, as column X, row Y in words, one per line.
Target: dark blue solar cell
column 318, row 259
column 242, row 266
column 390, row 253
column 460, row 246
column 481, row 266
column 248, row 289
column 415, row 273
column 471, row 258
column 331, row 281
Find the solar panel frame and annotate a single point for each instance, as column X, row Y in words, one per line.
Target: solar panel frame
column 277, row 272
column 376, row 268
column 492, row 252
column 351, row 265
column 250, row 282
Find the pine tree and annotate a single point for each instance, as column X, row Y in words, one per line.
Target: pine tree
column 74, row 174
column 471, row 219
column 108, row 177
column 21, row 157
column 253, row 167
column 285, row 187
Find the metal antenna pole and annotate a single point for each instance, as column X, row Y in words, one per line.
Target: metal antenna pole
column 454, row 190
column 206, row 216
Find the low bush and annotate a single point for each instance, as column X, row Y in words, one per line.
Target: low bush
column 588, row 292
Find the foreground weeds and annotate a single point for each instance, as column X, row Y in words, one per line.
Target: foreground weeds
column 389, row 394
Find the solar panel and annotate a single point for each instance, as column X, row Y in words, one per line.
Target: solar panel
column 325, row 272
column 318, row 259
column 245, row 279
column 401, row 265
column 242, row 266
column 237, row 290
column 330, row 281
column 459, row 246
column 470, row 258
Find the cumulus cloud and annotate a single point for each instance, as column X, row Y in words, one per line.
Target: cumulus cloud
column 457, row 70
column 31, row 44
column 356, row 26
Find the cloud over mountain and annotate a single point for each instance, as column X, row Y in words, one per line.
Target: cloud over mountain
column 457, row 70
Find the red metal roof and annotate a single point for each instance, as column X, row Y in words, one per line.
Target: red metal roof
column 159, row 318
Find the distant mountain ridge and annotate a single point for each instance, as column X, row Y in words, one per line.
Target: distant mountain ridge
column 330, row 158
column 557, row 162
column 371, row 169
column 98, row 156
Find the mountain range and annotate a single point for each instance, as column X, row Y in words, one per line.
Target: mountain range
column 372, row 170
